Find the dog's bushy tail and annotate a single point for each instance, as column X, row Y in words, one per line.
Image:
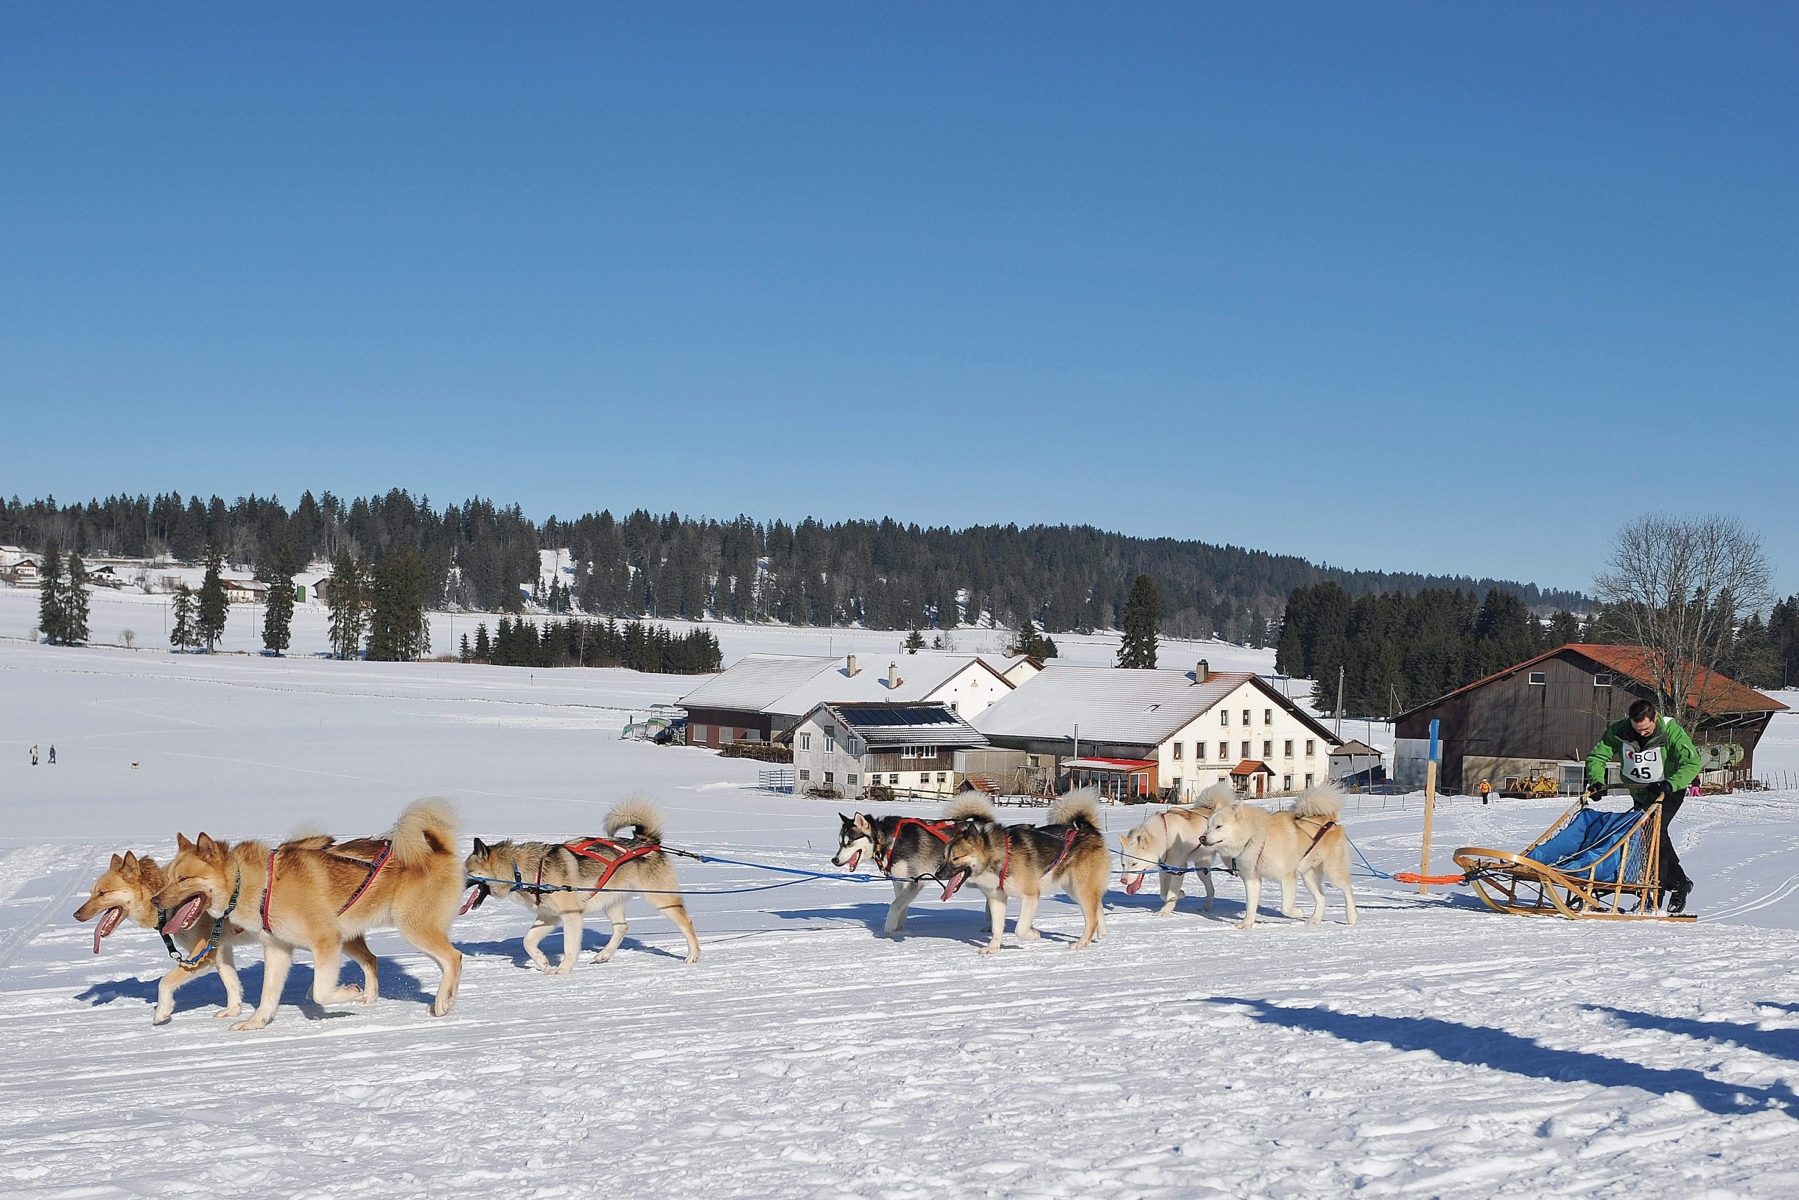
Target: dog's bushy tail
column 639, row 815
column 1077, row 808
column 1216, row 796
column 426, row 830
column 1324, row 803
column 970, row 804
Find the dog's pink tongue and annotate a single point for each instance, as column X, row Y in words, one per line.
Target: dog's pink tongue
column 184, row 916
column 1130, row 889
column 109, row 921
column 474, row 901
column 854, row 859
column 954, row 884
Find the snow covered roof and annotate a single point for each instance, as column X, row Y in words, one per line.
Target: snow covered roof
column 904, row 724
column 1111, row 705
column 756, row 681
column 1356, row 749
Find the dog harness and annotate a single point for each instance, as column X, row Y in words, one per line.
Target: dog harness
column 373, row 869
column 1318, row 837
column 620, row 855
column 212, row 943
column 1067, row 845
column 937, row 829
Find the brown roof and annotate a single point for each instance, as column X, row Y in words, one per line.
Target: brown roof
column 1250, row 766
column 1719, row 693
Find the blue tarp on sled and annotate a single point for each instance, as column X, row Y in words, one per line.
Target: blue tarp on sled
column 1588, row 840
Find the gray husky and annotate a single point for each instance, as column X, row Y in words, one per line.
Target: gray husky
column 908, row 850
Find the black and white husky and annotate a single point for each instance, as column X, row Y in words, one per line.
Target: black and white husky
column 908, row 850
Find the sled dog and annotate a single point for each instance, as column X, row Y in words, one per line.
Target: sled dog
column 323, row 895
column 127, row 889
column 908, row 850
column 560, row 883
column 1304, row 840
column 1175, row 839
column 1023, row 860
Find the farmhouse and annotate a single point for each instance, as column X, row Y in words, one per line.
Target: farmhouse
column 1171, row 733
column 761, row 695
column 245, row 591
column 1544, row 715
column 846, row 749
column 1354, row 760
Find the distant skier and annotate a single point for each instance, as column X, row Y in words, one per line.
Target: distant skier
column 53, row 754
column 34, row 754
column 1658, row 762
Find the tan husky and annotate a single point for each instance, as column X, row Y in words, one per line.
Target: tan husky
column 562, row 882
column 1303, row 840
column 1025, row 860
column 323, row 895
column 1176, row 840
column 127, row 889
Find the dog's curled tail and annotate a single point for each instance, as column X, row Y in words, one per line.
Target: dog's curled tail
column 970, row 804
column 426, row 830
column 1324, row 803
column 641, row 816
column 1216, row 796
column 1077, row 808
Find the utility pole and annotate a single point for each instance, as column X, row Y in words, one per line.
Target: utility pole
column 1339, row 702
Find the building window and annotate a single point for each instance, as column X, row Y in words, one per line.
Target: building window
column 1199, row 751
column 1177, row 752
column 1246, row 718
column 1539, row 678
column 698, row 735
column 1245, row 749
column 1036, row 761
column 1267, row 716
column 1308, row 781
column 1267, row 750
column 805, row 741
column 1224, row 751
column 893, row 779
column 942, row 777
column 1308, row 755
column 850, row 779
column 1286, row 783
column 1287, row 749
column 1224, row 716
column 805, row 775
column 1603, row 679
column 830, row 743
column 924, row 779
column 830, row 777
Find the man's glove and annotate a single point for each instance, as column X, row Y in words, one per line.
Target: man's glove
column 1595, row 791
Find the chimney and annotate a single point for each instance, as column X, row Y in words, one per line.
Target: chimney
column 893, row 679
column 1202, row 672
column 849, row 666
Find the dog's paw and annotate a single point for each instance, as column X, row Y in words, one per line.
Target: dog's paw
column 252, row 1023
column 565, row 968
column 163, row 1018
column 1244, row 925
column 442, row 1007
column 236, row 1010
column 691, row 959
column 1029, row 935
column 989, row 950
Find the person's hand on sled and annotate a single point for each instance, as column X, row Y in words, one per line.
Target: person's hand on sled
column 1655, row 793
column 1595, row 791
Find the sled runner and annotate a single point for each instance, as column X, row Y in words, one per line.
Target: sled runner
column 1591, row 864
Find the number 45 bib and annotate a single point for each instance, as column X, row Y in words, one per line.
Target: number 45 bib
column 1642, row 766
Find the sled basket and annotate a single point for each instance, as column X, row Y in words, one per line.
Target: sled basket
column 1592, row 864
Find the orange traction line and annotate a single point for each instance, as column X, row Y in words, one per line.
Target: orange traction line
column 1414, row 877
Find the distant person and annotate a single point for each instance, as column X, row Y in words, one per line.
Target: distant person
column 1658, row 762
column 53, row 754
column 34, row 754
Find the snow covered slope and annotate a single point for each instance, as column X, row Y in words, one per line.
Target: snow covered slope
column 1433, row 1050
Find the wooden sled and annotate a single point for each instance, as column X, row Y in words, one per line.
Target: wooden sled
column 1592, row 864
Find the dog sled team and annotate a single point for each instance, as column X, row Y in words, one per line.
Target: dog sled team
column 324, row 895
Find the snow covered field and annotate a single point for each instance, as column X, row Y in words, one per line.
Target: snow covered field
column 1433, row 1050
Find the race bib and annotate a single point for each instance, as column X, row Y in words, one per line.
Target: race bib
column 1643, row 766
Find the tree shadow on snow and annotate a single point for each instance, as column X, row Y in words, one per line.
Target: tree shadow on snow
column 208, row 991
column 1495, row 1049
column 1776, row 1043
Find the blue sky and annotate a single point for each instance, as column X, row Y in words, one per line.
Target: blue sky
column 1409, row 287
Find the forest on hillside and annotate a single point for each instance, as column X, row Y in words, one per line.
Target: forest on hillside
column 887, row 575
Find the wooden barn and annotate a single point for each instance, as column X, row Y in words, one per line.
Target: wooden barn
column 1544, row 715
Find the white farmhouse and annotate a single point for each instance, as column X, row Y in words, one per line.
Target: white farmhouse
column 847, row 749
column 1171, row 733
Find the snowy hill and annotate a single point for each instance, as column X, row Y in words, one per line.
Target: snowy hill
column 1435, row 1049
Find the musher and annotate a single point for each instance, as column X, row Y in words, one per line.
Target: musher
column 1658, row 763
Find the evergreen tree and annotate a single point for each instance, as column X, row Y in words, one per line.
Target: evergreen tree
column 465, row 654
column 50, row 594
column 278, row 618
column 214, row 608
column 398, row 630
column 74, row 602
column 1032, row 642
column 184, row 636
column 1564, row 630
column 483, row 648
column 349, row 618
column 914, row 642
column 1142, row 613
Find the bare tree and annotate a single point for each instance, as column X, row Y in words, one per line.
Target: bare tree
column 1677, row 589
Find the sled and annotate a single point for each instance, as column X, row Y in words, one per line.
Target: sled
column 1592, row 864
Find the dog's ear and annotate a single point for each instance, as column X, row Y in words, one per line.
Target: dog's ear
column 181, row 843
column 480, row 846
column 130, row 861
column 207, row 848
column 117, row 863
column 846, row 820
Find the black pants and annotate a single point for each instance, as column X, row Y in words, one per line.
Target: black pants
column 1673, row 875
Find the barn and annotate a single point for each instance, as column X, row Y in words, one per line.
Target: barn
column 1543, row 716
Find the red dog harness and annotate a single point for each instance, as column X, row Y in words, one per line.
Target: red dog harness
column 1067, row 845
column 620, row 855
column 373, row 868
column 937, row 829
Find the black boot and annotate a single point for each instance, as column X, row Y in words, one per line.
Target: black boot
column 1677, row 898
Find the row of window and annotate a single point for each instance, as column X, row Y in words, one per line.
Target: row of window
column 1224, row 750
column 851, row 746
column 893, row 778
column 1224, row 716
column 1541, row 679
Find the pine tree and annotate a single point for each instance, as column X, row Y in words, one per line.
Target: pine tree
column 50, row 594
column 278, row 618
column 914, row 642
column 214, row 607
column 348, row 617
column 483, row 647
column 1142, row 613
column 398, row 630
column 74, row 602
column 183, row 636
column 1031, row 641
column 465, row 654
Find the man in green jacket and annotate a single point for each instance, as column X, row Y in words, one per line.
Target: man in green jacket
column 1658, row 762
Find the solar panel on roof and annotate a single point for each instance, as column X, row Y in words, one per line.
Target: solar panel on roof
column 897, row 716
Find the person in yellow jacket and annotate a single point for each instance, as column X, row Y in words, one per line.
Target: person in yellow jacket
column 1658, row 762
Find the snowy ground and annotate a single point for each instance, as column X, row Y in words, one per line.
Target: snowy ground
column 1434, row 1050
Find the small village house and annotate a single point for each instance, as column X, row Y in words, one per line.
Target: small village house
column 245, row 591
column 1358, row 761
column 909, row 749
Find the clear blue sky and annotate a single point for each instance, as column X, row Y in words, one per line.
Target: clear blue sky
column 1441, row 287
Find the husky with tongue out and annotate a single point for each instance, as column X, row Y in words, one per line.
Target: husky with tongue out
column 1028, row 860
column 908, row 850
column 127, row 889
column 324, row 895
